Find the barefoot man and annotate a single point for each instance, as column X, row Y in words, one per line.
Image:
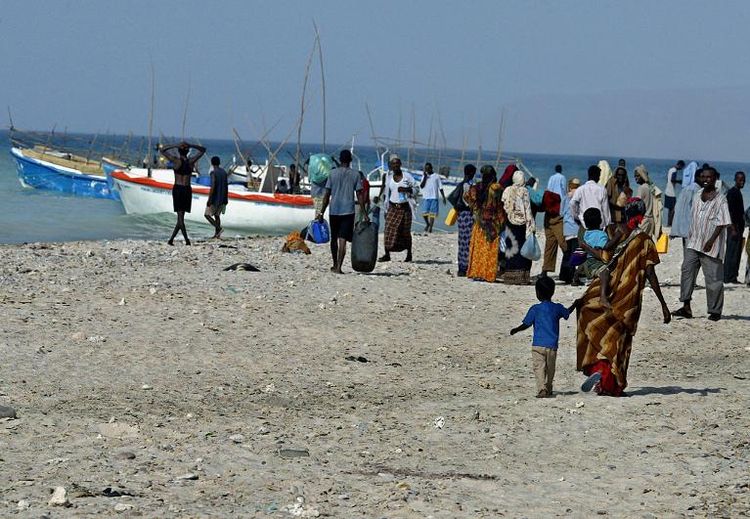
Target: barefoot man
column 218, row 196
column 342, row 186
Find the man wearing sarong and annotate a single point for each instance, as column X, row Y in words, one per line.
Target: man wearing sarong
column 398, row 191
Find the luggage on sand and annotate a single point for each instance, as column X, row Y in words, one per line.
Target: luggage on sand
column 365, row 246
column 318, row 232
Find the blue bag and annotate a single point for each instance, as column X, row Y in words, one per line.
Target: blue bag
column 531, row 250
column 318, row 232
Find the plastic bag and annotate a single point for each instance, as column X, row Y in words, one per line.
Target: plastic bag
column 319, row 168
column 531, row 249
column 365, row 246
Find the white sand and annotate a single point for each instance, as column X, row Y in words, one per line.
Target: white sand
column 149, row 370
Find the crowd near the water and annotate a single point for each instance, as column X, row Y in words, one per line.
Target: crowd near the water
column 610, row 234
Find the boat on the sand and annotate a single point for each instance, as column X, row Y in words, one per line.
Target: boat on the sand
column 45, row 168
column 252, row 210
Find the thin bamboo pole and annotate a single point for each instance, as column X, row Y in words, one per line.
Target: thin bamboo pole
column 322, row 81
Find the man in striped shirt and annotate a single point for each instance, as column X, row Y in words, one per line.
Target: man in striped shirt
column 705, row 247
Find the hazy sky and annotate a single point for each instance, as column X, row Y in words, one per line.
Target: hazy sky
column 636, row 78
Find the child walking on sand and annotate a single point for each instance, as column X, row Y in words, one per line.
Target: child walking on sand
column 545, row 318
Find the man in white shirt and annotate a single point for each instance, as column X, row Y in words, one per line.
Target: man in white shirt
column 591, row 194
column 430, row 187
column 705, row 248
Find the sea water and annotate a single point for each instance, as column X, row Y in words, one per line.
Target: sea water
column 34, row 215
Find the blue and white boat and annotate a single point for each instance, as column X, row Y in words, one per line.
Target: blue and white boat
column 61, row 172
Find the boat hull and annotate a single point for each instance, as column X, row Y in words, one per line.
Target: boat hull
column 40, row 174
column 257, row 213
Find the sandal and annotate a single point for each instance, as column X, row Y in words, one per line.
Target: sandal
column 591, row 381
column 682, row 313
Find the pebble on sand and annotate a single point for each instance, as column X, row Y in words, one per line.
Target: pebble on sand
column 59, row 497
column 7, row 412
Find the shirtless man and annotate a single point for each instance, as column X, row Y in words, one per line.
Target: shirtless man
column 182, row 193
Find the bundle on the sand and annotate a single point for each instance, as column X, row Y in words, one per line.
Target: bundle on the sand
column 295, row 243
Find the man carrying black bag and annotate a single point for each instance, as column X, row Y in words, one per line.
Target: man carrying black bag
column 342, row 187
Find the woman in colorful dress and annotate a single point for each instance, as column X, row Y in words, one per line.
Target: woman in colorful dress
column 485, row 201
column 605, row 335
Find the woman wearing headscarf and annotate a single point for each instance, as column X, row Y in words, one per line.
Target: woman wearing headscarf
column 398, row 189
column 618, row 191
column 520, row 223
column 605, row 335
column 647, row 193
column 484, row 199
column 606, row 172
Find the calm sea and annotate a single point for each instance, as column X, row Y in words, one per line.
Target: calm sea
column 31, row 215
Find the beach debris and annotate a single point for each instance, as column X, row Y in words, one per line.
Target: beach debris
column 475, row 416
column 295, row 244
column 579, row 405
column 439, row 422
column 59, row 497
column 237, row 438
column 122, row 302
column 23, row 504
column 7, row 412
column 352, row 358
column 293, row 453
column 125, row 455
column 109, row 492
column 152, row 290
column 270, row 388
column 298, row 509
column 123, row 507
column 146, row 387
column 190, row 476
column 242, row 266
column 96, row 338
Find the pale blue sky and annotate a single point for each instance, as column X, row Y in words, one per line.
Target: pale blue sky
column 636, row 78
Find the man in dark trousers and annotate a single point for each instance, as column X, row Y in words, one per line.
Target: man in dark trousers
column 734, row 238
column 218, row 196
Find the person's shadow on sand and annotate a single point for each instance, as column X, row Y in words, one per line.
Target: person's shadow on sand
column 674, row 390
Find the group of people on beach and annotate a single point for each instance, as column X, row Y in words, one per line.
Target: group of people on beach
column 608, row 234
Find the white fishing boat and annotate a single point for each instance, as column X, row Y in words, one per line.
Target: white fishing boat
column 252, row 210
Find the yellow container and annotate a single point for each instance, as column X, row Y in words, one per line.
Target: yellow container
column 452, row 217
column 662, row 244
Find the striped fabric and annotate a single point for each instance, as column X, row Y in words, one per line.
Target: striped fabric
column 608, row 334
column 707, row 216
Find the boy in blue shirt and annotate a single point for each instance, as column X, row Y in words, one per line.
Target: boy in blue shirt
column 545, row 318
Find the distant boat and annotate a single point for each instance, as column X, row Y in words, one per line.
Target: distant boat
column 44, row 168
column 249, row 210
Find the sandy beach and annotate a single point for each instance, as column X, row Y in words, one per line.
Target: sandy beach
column 150, row 382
